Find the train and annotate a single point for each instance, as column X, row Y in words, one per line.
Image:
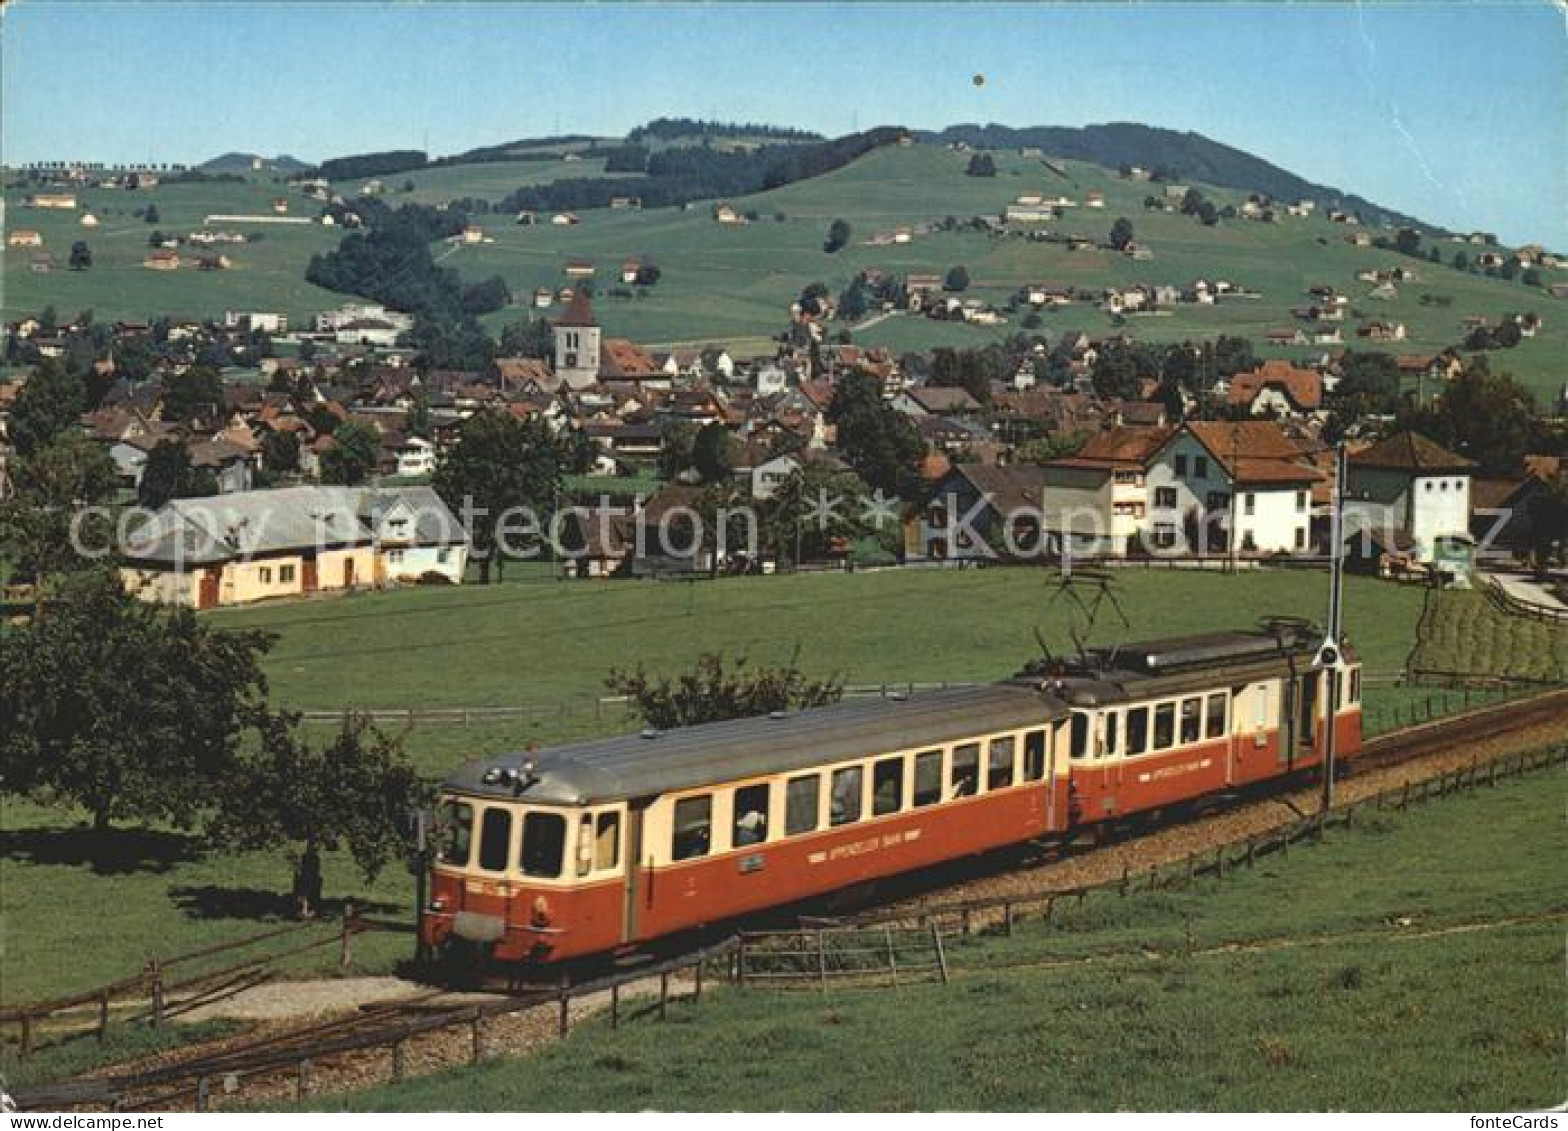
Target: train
column 592, row 848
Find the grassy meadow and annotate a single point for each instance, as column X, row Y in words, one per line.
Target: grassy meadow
column 1411, row 964
column 732, row 284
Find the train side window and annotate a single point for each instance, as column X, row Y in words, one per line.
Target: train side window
column 607, row 843
column 1218, row 712
column 964, row 778
column 457, row 833
column 887, row 786
column 1355, row 685
column 1112, row 736
column 1164, row 726
column 999, row 766
column 495, row 839
column 544, row 846
column 693, row 827
column 928, row 778
column 1191, row 719
column 800, row 804
column 1080, row 735
column 847, row 797
column 751, row 816
column 1034, row 755
column 1138, row 731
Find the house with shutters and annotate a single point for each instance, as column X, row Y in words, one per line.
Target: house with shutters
column 1407, row 500
column 1228, row 487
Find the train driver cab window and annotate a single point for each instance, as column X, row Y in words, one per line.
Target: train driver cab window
column 847, row 796
column 1034, row 755
column 999, row 765
column 457, row 833
column 1164, row 726
column 928, row 778
column 800, row 804
column 1355, row 685
column 751, row 816
column 964, row 777
column 1080, row 736
column 1191, row 720
column 495, row 839
column 544, row 845
column 1138, row 731
column 607, row 841
column 693, row 828
column 1217, row 708
column 887, row 786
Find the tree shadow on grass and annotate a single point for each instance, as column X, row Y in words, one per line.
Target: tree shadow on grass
column 210, row 901
column 117, row 852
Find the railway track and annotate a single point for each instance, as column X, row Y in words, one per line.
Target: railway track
column 282, row 1061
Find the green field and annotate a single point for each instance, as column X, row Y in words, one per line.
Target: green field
column 1463, row 633
column 267, row 276
column 1412, row 964
column 732, row 284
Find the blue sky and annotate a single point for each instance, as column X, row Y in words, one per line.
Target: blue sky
column 1457, row 113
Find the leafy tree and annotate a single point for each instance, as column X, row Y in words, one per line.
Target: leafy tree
column 877, row 441
column 648, row 274
column 794, row 522
column 48, row 407
column 838, row 236
column 531, row 337
column 355, row 793
column 717, row 689
column 1407, row 241
column 713, row 453
column 1461, row 261
column 280, row 452
column 81, row 256
column 74, row 732
column 1121, row 233
column 970, row 370
column 854, row 301
column 169, row 474
column 499, row 465
column 981, row 165
column 354, row 454
column 1487, row 416
column 676, row 448
column 45, row 525
column 193, row 394
column 956, row 279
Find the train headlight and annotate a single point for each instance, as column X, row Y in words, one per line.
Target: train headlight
column 541, row 912
column 438, row 904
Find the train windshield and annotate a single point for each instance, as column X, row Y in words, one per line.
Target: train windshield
column 455, row 832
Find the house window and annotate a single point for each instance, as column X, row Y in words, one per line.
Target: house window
column 693, row 827
column 1218, row 500
column 1301, row 537
column 1181, row 465
column 286, row 574
column 1250, row 502
column 1165, row 497
column 264, row 574
column 1164, row 535
column 1200, row 467
column 444, row 556
column 1301, row 500
column 800, row 804
column 751, row 816
column 395, row 557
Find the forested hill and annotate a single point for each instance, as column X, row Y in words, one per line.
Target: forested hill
column 1192, row 157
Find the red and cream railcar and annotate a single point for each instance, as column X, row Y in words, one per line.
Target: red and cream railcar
column 581, row 849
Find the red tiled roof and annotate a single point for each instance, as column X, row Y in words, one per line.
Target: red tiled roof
column 1304, row 387
column 1254, row 451
column 1410, row 451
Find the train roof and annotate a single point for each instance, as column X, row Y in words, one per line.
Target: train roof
column 641, row 765
column 1158, row 657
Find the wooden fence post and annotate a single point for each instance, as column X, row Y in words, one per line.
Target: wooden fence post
column 564, row 1022
column 157, row 994
column 1126, row 872
column 740, row 962
column 1050, row 907
column 345, row 954
column 1007, row 922
column 27, row 1035
column 664, row 996
column 1219, row 862
column 1252, row 849
column 476, row 1038
column 302, row 1079
column 398, row 1058
column 103, row 1016
column 615, row 1005
column 941, row 955
column 822, row 955
column 697, row 979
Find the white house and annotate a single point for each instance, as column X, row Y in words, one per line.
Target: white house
column 769, row 475
column 1411, row 493
column 1222, row 486
column 1096, row 502
column 416, row 456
